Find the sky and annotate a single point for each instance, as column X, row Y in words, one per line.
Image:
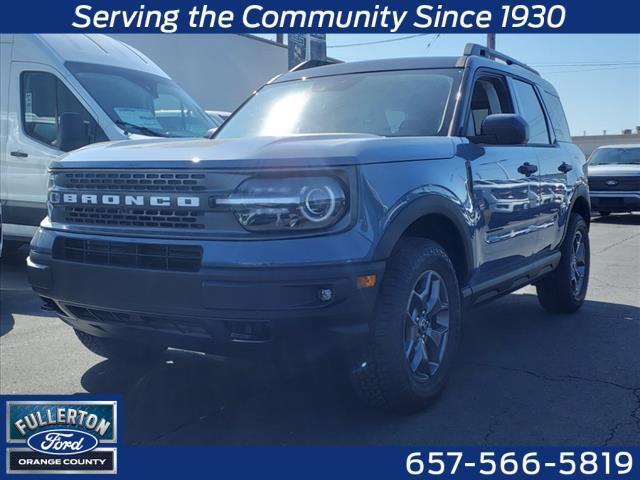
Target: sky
column 604, row 96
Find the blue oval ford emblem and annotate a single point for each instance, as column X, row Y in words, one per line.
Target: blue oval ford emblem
column 62, row 442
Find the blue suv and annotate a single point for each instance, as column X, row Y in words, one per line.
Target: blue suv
column 365, row 205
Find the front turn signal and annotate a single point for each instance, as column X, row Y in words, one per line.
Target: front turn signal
column 367, row 281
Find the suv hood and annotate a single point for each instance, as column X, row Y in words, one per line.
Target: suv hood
column 256, row 152
column 613, row 169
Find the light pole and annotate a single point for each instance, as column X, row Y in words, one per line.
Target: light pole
column 491, row 41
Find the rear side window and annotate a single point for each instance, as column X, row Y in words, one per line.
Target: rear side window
column 558, row 118
column 44, row 99
column 532, row 112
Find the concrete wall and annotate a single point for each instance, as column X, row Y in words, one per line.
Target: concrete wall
column 218, row 71
column 589, row 143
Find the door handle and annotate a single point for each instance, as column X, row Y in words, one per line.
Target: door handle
column 527, row 169
column 19, row 154
column 565, row 167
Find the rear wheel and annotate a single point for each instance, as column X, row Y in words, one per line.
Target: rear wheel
column 119, row 350
column 564, row 290
column 415, row 331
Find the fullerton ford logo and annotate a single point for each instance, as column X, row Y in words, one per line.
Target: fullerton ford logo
column 123, row 200
column 61, row 436
column 62, row 442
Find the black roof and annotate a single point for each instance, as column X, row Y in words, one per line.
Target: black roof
column 475, row 56
column 382, row 65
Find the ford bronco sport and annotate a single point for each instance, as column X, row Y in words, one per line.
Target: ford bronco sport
column 368, row 203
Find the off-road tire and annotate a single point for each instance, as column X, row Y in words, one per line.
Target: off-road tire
column 119, row 350
column 555, row 293
column 385, row 378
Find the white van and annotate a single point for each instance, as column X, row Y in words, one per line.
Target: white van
column 61, row 92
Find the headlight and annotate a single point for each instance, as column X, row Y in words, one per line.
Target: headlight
column 293, row 204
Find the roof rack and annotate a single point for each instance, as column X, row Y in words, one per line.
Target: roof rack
column 473, row 49
column 314, row 63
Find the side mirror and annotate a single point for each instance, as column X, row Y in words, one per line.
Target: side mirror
column 72, row 132
column 504, row 129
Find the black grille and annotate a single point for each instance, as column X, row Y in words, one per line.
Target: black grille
column 164, row 182
column 178, row 258
column 624, row 183
column 150, row 322
column 135, row 217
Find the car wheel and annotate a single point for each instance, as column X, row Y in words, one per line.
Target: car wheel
column 415, row 331
column 564, row 290
column 604, row 214
column 119, row 350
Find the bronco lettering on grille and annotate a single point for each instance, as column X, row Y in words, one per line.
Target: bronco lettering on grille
column 128, row 200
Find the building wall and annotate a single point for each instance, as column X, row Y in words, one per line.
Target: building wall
column 218, row 71
column 589, row 143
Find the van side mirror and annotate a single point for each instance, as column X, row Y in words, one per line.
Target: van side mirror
column 503, row 129
column 72, row 132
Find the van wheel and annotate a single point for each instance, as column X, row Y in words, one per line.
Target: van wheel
column 415, row 331
column 564, row 290
column 119, row 350
column 10, row 247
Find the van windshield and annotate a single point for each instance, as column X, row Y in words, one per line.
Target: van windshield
column 396, row 103
column 142, row 103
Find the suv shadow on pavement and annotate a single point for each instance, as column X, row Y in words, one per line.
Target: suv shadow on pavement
column 6, row 320
column 13, row 285
column 517, row 382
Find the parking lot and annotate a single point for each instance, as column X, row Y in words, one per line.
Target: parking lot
column 524, row 377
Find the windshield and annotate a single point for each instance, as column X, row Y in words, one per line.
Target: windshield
column 613, row 156
column 398, row 103
column 142, row 103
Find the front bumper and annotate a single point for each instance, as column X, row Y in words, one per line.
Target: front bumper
column 218, row 309
column 613, row 201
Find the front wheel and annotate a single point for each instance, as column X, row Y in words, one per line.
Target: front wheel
column 564, row 290
column 415, row 331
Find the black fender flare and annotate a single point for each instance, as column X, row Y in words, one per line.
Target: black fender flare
column 581, row 191
column 421, row 207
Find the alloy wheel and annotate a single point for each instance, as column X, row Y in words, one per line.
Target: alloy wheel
column 578, row 263
column 426, row 325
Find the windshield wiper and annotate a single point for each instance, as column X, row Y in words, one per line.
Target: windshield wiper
column 126, row 126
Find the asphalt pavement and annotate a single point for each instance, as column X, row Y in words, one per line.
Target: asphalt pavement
column 524, row 377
